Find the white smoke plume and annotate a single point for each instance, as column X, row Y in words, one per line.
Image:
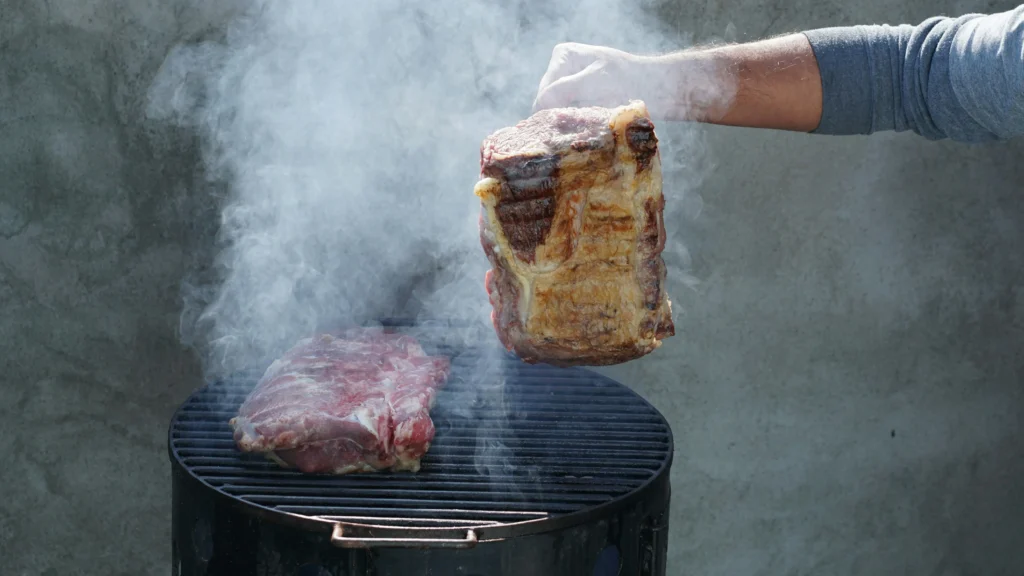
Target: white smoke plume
column 347, row 136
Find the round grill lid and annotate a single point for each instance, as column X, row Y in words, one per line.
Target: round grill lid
column 516, row 445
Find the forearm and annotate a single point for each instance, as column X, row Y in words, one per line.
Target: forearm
column 768, row 84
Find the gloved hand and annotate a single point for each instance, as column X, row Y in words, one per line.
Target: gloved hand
column 585, row 75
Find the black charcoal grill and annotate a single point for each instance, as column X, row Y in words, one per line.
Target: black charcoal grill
column 558, row 472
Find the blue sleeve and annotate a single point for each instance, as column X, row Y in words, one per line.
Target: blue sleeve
column 957, row 78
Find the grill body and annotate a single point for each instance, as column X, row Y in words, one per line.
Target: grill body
column 534, row 470
column 215, row 537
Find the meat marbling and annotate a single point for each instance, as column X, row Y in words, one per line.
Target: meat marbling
column 572, row 224
column 358, row 401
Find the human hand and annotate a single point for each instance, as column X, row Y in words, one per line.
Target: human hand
column 585, row 75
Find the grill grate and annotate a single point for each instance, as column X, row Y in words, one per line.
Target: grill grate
column 549, row 442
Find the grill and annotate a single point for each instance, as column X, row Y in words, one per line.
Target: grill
column 533, row 470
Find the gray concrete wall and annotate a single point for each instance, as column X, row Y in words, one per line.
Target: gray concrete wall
column 844, row 388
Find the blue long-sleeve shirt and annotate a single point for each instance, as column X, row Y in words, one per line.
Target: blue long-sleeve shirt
column 957, row 78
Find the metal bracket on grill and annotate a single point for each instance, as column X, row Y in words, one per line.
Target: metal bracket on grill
column 347, row 535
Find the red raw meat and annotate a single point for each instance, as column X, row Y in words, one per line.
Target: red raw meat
column 358, row 401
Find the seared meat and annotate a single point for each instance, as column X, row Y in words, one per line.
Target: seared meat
column 572, row 224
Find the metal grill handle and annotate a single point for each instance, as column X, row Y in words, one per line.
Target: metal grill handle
column 347, row 535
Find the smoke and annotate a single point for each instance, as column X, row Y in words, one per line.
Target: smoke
column 341, row 141
column 347, row 136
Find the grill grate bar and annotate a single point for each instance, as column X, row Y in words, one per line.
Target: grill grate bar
column 261, row 469
column 454, row 403
column 388, row 482
column 197, row 431
column 566, row 417
column 569, row 463
column 439, row 451
column 417, row 513
column 225, row 441
column 343, row 495
column 466, row 509
column 390, row 503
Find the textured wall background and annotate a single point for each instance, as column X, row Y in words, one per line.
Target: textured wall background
column 845, row 390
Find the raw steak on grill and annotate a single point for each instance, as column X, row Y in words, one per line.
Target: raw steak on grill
column 358, row 401
column 572, row 224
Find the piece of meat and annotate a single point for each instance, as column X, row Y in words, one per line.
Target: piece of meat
column 358, row 401
column 572, row 223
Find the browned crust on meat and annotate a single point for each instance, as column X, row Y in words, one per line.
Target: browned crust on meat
column 566, row 356
column 652, row 273
column 526, row 205
column 503, row 292
column 642, row 141
column 563, row 211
